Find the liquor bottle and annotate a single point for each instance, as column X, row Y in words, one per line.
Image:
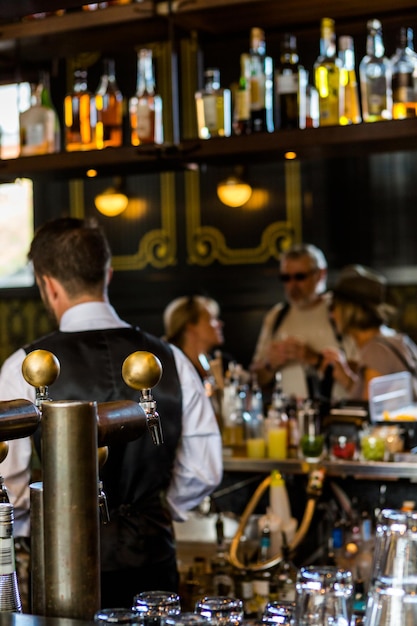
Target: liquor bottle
column 404, row 66
column 46, row 100
column 375, row 77
column 37, row 126
column 9, row 591
column 109, row 104
column 328, row 76
column 312, row 109
column 261, row 84
column 351, row 113
column 289, row 85
column 145, row 107
column 223, row 583
column 242, row 113
column 213, row 106
column 80, row 115
column 283, row 579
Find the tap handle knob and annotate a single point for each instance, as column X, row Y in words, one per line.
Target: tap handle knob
column 142, row 370
column 40, row 369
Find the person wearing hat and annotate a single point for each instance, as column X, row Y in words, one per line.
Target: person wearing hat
column 360, row 310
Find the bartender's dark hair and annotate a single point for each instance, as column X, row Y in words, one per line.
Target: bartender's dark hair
column 74, row 251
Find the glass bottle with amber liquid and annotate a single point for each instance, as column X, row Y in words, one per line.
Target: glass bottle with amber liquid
column 109, row 103
column 145, row 107
column 404, row 70
column 351, row 113
column 213, row 107
column 80, row 115
column 375, row 77
column 290, row 85
column 261, row 84
column 328, row 76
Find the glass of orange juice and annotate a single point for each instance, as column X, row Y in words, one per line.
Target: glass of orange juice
column 276, row 436
column 255, row 437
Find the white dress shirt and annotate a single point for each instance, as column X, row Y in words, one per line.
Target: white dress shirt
column 198, row 465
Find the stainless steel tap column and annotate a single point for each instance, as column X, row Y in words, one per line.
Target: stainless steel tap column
column 70, row 510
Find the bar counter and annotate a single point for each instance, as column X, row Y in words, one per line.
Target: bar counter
column 367, row 470
column 23, row 619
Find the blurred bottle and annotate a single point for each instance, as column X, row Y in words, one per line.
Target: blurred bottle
column 254, row 426
column 80, row 115
column 404, row 69
column 312, row 112
column 375, row 77
column 46, row 100
column 351, row 113
column 213, row 105
column 222, row 582
column 276, row 423
column 283, row 579
column 94, row 6
column 37, row 126
column 261, row 83
column 145, row 107
column 109, row 104
column 242, row 111
column 328, row 76
column 290, row 85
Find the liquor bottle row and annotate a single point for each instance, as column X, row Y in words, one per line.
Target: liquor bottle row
column 271, row 98
column 265, row 99
column 91, row 6
column 93, row 120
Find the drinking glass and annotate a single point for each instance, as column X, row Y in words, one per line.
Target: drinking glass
column 152, row 606
column 117, row 616
column 186, row 619
column 221, row 610
column 323, row 596
column 392, row 598
column 278, row 612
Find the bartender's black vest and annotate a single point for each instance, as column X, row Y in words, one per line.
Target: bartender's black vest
column 137, row 474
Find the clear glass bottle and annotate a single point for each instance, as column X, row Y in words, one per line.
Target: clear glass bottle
column 375, row 77
column 213, row 106
column 261, row 84
column 404, row 67
column 80, row 115
column 46, row 100
column 109, row 104
column 241, row 114
column 37, row 126
column 145, row 107
column 9, row 591
column 351, row 113
column 290, row 85
column 276, row 424
column 328, row 76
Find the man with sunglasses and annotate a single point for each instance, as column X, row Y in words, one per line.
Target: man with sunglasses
column 295, row 332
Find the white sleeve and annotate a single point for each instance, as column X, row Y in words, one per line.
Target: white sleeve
column 15, row 469
column 198, row 465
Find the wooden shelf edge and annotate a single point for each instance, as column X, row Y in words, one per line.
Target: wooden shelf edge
column 311, row 143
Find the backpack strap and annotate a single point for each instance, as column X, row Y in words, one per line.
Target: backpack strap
column 280, row 316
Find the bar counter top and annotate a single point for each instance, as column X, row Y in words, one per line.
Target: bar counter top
column 24, row 619
column 367, row 470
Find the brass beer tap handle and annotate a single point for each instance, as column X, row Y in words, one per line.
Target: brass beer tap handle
column 142, row 370
column 40, row 369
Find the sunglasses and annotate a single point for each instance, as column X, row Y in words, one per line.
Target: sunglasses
column 298, row 276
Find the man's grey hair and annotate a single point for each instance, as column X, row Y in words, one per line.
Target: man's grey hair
column 306, row 249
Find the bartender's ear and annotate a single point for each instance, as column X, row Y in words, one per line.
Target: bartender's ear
column 109, row 275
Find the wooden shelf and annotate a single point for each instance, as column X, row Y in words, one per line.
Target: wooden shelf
column 314, row 143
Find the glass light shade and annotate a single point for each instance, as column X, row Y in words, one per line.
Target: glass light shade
column 111, row 202
column 233, row 191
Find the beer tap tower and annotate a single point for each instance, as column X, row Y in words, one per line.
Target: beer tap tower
column 65, row 521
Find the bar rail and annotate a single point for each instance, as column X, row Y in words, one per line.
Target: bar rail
column 368, row 470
